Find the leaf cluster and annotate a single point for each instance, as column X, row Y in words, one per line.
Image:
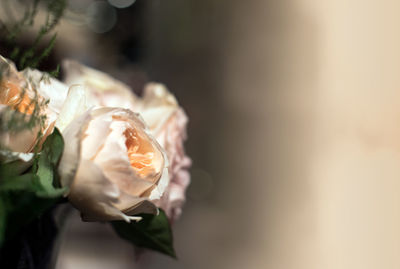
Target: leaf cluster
column 24, row 197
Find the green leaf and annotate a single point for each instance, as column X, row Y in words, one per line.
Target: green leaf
column 18, row 183
column 152, row 232
column 46, row 163
column 12, row 169
column 53, row 147
column 25, row 197
column 18, row 209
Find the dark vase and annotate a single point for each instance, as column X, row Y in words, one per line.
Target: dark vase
column 32, row 247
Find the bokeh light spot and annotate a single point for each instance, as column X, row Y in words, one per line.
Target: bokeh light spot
column 121, row 3
column 101, row 17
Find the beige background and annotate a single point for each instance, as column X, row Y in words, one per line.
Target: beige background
column 295, row 112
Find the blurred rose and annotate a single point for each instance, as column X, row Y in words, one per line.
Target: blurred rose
column 167, row 122
column 16, row 99
column 113, row 167
column 16, row 145
column 28, row 106
column 49, row 89
column 103, row 90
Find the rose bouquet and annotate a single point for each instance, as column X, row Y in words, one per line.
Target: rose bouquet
column 90, row 141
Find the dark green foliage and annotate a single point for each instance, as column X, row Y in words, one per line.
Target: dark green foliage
column 153, row 232
column 24, row 197
column 55, row 73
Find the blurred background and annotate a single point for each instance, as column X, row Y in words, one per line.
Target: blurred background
column 294, row 131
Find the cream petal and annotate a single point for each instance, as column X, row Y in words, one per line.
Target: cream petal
column 98, row 130
column 21, row 141
column 176, row 195
column 164, row 161
column 93, row 194
column 107, row 90
column 48, row 87
column 112, row 99
column 131, row 205
column 73, row 107
column 156, row 117
column 99, row 199
column 182, row 178
column 76, row 73
column 156, row 94
column 109, row 213
column 178, row 187
column 161, row 186
column 8, row 69
column 120, row 172
column 157, row 106
column 73, row 135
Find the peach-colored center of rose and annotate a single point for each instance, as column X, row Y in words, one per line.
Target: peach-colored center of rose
column 12, row 96
column 140, row 153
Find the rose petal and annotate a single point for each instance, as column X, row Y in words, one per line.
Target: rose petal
column 50, row 88
column 73, row 134
column 73, row 107
column 94, row 195
column 104, row 90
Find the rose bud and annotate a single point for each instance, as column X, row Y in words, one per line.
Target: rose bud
column 114, row 168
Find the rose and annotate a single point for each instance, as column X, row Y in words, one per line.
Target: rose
column 102, row 90
column 161, row 112
column 16, row 101
column 53, row 91
column 29, row 105
column 35, row 95
column 168, row 121
column 113, row 166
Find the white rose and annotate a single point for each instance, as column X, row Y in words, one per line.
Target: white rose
column 113, row 166
column 102, row 89
column 162, row 114
column 33, row 98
